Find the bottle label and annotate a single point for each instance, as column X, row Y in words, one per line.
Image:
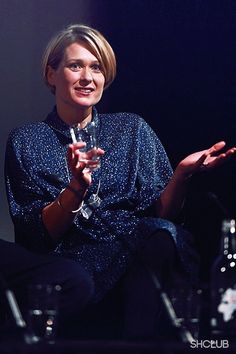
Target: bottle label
column 228, row 304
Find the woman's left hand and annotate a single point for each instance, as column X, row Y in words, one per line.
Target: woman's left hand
column 204, row 160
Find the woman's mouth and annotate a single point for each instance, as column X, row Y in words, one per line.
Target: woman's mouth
column 83, row 90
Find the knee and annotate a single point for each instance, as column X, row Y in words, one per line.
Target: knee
column 77, row 288
column 160, row 250
column 83, row 285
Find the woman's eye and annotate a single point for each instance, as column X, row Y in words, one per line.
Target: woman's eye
column 96, row 68
column 75, row 66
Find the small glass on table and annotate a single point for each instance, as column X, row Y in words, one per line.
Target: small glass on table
column 43, row 312
column 186, row 302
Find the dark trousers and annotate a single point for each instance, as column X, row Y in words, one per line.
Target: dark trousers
column 19, row 268
column 143, row 309
column 133, row 309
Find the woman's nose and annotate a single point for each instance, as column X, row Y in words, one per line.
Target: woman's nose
column 86, row 75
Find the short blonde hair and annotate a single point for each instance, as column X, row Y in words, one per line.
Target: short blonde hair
column 94, row 41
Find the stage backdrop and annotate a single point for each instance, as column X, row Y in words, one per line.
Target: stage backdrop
column 176, row 68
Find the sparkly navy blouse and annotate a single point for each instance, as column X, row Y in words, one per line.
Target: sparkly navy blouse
column 133, row 173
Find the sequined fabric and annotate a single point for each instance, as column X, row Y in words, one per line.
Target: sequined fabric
column 134, row 171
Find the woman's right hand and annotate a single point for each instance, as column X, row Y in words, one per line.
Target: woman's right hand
column 59, row 215
column 81, row 170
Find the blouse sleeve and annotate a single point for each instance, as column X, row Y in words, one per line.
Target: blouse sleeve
column 154, row 168
column 25, row 196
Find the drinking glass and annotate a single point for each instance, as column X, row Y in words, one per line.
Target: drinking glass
column 187, row 304
column 87, row 134
column 43, row 312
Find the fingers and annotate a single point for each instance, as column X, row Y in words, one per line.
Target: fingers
column 200, row 161
column 69, row 154
column 231, row 151
column 100, row 152
column 94, row 154
column 78, row 145
column 91, row 157
column 73, row 157
column 210, row 160
column 216, row 147
column 83, row 162
column 214, row 161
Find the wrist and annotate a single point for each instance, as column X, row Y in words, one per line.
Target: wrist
column 71, row 198
column 77, row 189
column 66, row 208
column 180, row 175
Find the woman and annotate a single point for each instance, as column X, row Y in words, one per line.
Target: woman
column 50, row 188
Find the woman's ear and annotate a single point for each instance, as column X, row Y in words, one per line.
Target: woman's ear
column 50, row 75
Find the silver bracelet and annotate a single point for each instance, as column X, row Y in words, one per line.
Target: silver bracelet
column 68, row 211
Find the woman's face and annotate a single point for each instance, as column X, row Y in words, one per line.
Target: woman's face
column 78, row 80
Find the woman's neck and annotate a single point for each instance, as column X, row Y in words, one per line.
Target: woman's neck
column 75, row 116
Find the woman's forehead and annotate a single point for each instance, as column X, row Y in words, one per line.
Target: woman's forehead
column 78, row 50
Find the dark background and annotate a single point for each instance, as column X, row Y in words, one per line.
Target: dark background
column 176, row 68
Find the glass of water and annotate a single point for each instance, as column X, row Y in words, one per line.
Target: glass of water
column 186, row 302
column 43, row 312
column 87, row 134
